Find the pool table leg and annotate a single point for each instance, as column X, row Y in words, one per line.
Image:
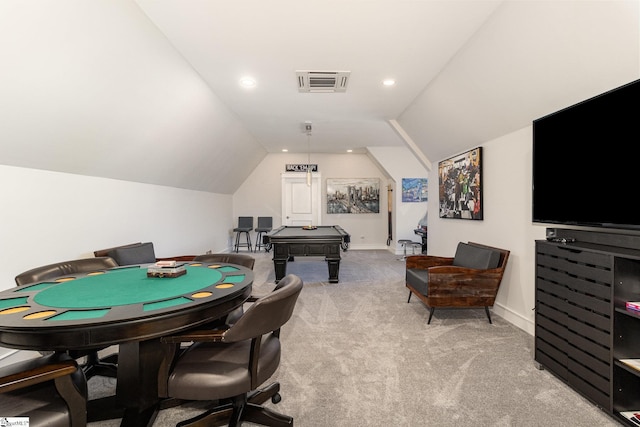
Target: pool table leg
column 280, row 266
column 334, row 269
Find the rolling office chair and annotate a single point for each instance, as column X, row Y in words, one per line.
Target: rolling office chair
column 245, row 226
column 265, row 225
column 106, row 367
column 230, row 364
column 50, row 390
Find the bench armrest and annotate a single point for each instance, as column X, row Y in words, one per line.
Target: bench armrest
column 423, row 262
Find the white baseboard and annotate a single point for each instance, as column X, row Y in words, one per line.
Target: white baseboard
column 367, row 246
column 514, row 318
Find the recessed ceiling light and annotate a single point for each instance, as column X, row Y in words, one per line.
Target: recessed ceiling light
column 284, row 150
column 247, row 82
column 349, row 151
column 388, row 82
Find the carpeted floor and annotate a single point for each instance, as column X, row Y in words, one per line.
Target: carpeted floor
column 357, row 354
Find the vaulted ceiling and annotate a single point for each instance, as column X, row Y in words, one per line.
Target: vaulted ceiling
column 409, row 41
column 148, row 90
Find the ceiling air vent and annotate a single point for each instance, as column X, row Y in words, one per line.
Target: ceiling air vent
column 322, row 81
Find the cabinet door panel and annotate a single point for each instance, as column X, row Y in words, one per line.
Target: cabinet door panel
column 547, row 306
column 594, row 378
column 551, row 327
column 552, row 359
column 582, row 305
column 588, row 390
column 596, row 321
column 583, row 344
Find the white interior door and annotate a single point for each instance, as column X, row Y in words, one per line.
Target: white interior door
column 301, row 203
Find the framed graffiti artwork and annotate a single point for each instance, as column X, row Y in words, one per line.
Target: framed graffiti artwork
column 460, row 186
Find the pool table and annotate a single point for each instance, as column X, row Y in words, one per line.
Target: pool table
column 288, row 242
column 121, row 306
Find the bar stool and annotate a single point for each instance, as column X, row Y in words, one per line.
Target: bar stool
column 245, row 225
column 404, row 243
column 265, row 224
column 415, row 245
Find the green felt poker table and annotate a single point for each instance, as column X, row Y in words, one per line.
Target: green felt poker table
column 124, row 307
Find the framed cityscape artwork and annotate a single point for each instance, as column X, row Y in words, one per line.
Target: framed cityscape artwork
column 353, row 195
column 460, row 186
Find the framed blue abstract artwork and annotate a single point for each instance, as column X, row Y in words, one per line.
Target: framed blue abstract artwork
column 414, row 189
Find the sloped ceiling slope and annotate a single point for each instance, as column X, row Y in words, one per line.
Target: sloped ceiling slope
column 531, row 58
column 147, row 90
column 408, row 40
column 94, row 88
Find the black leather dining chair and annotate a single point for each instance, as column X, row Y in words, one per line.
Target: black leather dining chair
column 93, row 364
column 63, row 268
column 133, row 254
column 228, row 365
column 239, row 259
column 136, row 253
column 50, row 390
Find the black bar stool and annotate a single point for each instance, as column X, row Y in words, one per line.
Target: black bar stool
column 245, row 225
column 265, row 225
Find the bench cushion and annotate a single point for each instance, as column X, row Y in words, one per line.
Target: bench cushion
column 470, row 256
column 418, row 279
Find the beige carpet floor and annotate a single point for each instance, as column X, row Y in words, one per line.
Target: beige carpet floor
column 357, row 354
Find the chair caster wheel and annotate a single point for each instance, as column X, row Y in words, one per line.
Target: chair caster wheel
column 276, row 398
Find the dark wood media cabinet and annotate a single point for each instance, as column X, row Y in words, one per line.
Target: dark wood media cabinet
column 584, row 334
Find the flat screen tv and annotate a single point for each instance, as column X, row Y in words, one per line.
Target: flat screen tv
column 586, row 162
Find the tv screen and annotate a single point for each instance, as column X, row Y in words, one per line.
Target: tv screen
column 586, row 162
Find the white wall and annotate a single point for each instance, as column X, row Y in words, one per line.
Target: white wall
column 111, row 97
column 51, row 216
column 400, row 163
column 261, row 194
column 530, row 58
column 506, row 194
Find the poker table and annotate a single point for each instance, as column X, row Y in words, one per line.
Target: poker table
column 124, row 307
column 290, row 241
